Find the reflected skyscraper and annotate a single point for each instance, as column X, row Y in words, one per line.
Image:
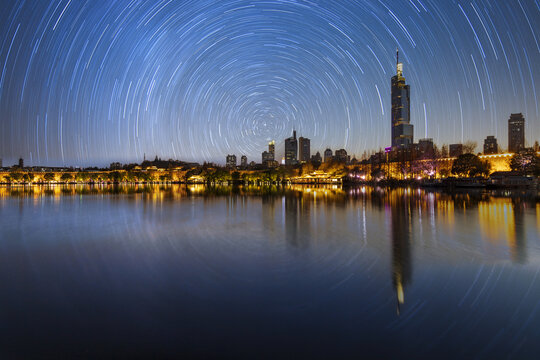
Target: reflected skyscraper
column 402, row 130
column 518, row 248
column 401, row 219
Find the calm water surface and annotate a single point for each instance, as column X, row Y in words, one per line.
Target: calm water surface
column 250, row 272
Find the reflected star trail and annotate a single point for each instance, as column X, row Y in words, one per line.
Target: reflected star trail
column 89, row 82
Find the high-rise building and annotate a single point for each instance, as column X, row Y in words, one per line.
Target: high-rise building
column 328, row 155
column 1, row 164
column 231, row 161
column 490, row 145
column 291, row 150
column 268, row 157
column 455, row 150
column 402, row 130
column 272, row 148
column 243, row 161
column 21, row 163
column 341, row 156
column 516, row 133
column 304, row 151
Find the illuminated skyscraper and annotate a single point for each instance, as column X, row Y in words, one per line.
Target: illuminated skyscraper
column 304, row 151
column 268, row 157
column 516, row 133
column 291, row 150
column 402, row 130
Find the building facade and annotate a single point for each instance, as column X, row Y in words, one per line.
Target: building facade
column 341, row 156
column 231, row 161
column 269, row 157
column 402, row 130
column 516, row 133
column 328, row 155
column 243, row 161
column 455, row 150
column 291, row 150
column 304, row 151
column 490, row 145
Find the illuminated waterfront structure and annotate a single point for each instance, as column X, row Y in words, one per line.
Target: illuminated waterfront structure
column 304, row 152
column 516, row 133
column 291, row 150
column 402, row 130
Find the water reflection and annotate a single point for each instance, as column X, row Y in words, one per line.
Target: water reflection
column 275, row 259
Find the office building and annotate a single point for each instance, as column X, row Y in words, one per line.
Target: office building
column 426, row 149
column 490, row 145
column 328, row 155
column 516, row 133
column 455, row 150
column 291, row 150
column 268, row 157
column 402, row 130
column 21, row 163
column 243, row 161
column 304, row 151
column 231, row 161
column 341, row 156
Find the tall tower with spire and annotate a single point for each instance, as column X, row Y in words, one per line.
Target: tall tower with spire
column 402, row 129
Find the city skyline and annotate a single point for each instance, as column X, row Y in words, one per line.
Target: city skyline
column 194, row 82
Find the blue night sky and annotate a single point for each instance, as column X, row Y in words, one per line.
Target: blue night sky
column 90, row 82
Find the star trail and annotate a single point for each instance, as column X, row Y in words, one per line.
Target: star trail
column 90, row 82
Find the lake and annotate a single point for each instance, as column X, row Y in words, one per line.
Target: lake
column 164, row 271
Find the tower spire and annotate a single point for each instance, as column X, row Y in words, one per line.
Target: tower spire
column 399, row 66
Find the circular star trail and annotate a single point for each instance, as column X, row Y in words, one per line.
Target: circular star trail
column 89, row 82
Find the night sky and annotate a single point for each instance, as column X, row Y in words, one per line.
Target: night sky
column 91, row 82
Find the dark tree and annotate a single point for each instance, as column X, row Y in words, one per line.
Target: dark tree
column 470, row 165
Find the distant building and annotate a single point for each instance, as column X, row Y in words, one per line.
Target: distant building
column 21, row 163
column 1, row 164
column 231, row 161
column 243, row 161
column 490, row 145
column 341, row 156
column 291, row 150
column 455, row 150
column 516, row 133
column 316, row 159
column 426, row 149
column 272, row 148
column 304, row 151
column 115, row 166
column 402, row 130
column 268, row 157
column 328, row 155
